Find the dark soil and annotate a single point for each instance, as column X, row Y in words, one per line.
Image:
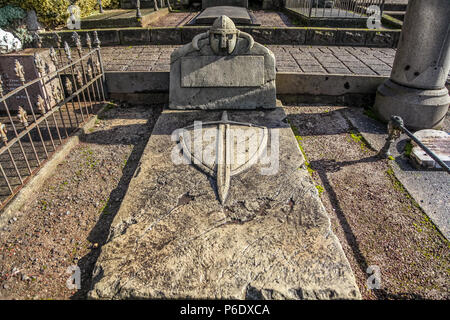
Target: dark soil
column 67, row 221
column 375, row 219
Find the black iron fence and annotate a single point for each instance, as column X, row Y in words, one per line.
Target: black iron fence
column 38, row 116
column 341, row 9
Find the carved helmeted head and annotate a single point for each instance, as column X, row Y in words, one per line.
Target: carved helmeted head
column 223, row 36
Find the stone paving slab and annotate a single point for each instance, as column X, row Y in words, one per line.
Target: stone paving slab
column 299, row 59
column 360, row 61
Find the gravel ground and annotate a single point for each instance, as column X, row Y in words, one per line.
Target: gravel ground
column 272, row 18
column 376, row 221
column 266, row 18
column 174, row 19
column 67, row 221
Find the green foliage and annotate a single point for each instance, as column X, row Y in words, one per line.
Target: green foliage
column 23, row 35
column 54, row 12
column 9, row 14
column 299, row 141
column 320, row 189
column 359, row 139
column 408, row 149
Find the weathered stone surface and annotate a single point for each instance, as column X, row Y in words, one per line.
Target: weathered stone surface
column 204, row 96
column 385, row 39
column 239, row 15
column 12, row 82
column 188, row 33
column 215, row 3
column 134, row 36
column 270, row 240
column 32, row 21
column 165, row 35
column 108, row 37
column 214, row 71
column 435, row 140
column 320, row 36
column 351, row 37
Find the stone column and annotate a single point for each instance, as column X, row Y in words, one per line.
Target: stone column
column 416, row 89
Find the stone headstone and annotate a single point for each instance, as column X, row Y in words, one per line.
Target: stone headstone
column 215, row 3
column 32, row 21
column 435, row 140
column 11, row 81
column 223, row 68
column 221, row 205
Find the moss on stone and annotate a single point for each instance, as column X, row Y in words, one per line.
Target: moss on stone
column 299, row 140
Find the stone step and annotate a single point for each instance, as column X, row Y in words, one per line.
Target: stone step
column 400, row 15
column 395, row 7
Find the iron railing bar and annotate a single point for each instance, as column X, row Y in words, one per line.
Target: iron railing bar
column 85, row 80
column 67, row 108
column 82, row 92
column 39, row 120
column 55, row 61
column 6, row 178
column 15, row 132
column 94, row 72
column 102, row 72
column 14, row 164
column 78, row 100
column 48, row 101
column 37, row 127
column 88, row 81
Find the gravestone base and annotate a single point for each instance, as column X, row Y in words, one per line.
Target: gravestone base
column 271, row 239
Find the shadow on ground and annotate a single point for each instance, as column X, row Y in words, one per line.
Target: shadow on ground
column 99, row 234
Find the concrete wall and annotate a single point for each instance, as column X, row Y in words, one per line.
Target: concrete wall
column 146, row 87
column 264, row 35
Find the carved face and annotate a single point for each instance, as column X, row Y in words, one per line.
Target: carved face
column 222, row 43
column 223, row 36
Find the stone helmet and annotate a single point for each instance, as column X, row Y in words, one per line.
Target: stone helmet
column 223, row 36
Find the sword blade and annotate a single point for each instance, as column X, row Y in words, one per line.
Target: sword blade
column 223, row 175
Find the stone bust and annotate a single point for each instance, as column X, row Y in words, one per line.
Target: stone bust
column 223, row 37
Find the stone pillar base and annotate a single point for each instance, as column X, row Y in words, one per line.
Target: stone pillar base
column 419, row 109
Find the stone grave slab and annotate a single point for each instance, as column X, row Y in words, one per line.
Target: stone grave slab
column 438, row 142
column 239, row 15
column 252, row 231
column 223, row 68
column 120, row 18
